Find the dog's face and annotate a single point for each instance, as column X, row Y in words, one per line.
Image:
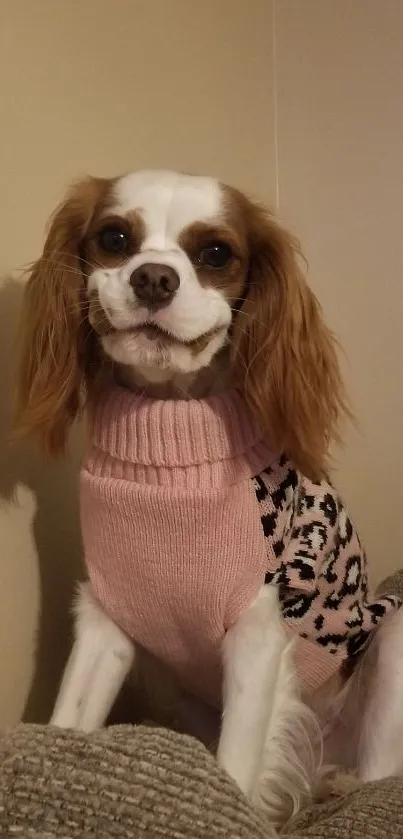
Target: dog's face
column 159, row 272
column 165, row 266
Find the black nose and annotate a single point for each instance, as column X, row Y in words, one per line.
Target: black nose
column 154, row 284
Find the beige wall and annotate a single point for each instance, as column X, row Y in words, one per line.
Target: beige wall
column 340, row 139
column 305, row 113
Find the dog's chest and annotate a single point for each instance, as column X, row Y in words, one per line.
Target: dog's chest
column 174, row 567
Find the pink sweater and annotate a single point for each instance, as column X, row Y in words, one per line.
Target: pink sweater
column 187, row 512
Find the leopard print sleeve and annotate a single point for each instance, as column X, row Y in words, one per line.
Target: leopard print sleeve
column 316, row 559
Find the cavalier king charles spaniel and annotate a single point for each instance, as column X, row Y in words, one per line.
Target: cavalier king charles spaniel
column 175, row 313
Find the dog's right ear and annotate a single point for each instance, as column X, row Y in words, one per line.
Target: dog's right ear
column 56, row 344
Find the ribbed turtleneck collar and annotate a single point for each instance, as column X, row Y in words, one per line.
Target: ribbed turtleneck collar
column 173, row 433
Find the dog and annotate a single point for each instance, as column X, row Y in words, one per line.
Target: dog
column 175, row 313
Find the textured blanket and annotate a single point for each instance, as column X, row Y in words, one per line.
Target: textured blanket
column 132, row 782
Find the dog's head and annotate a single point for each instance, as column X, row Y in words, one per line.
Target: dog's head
column 161, row 272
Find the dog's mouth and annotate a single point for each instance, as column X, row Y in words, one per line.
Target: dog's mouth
column 155, row 335
column 160, row 336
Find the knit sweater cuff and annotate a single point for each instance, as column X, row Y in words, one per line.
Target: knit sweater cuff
column 314, row 664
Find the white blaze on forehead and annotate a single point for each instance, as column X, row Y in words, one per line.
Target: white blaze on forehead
column 168, row 202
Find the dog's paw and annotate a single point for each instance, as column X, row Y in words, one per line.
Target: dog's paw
column 335, row 783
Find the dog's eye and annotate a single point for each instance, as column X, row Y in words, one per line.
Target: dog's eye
column 113, row 239
column 215, row 255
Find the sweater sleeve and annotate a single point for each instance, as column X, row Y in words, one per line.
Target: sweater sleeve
column 317, row 561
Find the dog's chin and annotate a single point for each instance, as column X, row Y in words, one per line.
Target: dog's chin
column 157, row 353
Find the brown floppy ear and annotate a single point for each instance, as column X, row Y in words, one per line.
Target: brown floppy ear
column 56, row 345
column 289, row 369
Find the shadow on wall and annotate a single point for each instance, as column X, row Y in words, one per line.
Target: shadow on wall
column 55, row 525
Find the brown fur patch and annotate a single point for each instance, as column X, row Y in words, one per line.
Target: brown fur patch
column 60, row 356
column 229, row 280
column 59, row 353
column 283, row 354
column 131, row 224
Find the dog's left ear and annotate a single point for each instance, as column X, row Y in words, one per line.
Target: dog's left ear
column 285, row 354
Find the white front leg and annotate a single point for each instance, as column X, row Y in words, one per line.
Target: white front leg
column 100, row 661
column 252, row 654
column 269, row 740
column 379, row 714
